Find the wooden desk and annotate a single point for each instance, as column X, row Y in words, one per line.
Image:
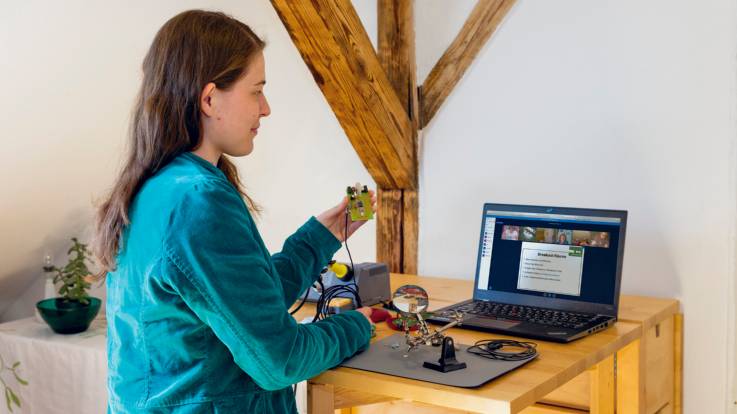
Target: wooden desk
column 565, row 378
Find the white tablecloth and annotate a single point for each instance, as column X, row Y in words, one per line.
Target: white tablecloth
column 65, row 373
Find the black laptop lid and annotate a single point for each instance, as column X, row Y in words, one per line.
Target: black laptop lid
column 554, row 257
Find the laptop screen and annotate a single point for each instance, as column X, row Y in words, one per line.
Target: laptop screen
column 566, row 254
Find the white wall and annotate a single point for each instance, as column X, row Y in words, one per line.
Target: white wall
column 623, row 104
column 627, row 105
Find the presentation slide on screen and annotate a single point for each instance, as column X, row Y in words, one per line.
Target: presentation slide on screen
column 551, row 268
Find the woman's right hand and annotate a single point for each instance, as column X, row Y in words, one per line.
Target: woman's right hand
column 366, row 311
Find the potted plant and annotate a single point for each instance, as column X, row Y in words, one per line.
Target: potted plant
column 75, row 309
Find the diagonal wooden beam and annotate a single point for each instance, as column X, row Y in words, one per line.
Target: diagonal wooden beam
column 478, row 28
column 397, row 223
column 334, row 45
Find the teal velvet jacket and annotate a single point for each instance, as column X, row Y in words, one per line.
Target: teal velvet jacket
column 197, row 308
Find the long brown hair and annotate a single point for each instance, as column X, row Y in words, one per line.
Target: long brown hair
column 190, row 50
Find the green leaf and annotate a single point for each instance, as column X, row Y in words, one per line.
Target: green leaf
column 7, row 399
column 19, row 379
column 16, row 364
column 15, row 398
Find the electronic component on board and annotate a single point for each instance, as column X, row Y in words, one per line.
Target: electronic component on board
column 359, row 203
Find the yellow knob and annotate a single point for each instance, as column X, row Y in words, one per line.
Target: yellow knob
column 339, row 269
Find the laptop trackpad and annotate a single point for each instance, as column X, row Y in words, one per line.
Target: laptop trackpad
column 491, row 323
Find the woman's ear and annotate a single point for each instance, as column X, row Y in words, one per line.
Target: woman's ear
column 207, row 98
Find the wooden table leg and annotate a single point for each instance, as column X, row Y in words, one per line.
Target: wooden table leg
column 678, row 363
column 602, row 387
column 630, row 380
column 320, row 398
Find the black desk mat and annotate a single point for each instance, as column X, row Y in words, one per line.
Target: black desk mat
column 387, row 356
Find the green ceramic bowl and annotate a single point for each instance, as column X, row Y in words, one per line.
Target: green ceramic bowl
column 68, row 317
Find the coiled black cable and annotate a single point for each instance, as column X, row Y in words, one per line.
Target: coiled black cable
column 350, row 291
column 492, row 349
column 333, row 292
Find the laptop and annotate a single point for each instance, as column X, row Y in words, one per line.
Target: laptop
column 550, row 273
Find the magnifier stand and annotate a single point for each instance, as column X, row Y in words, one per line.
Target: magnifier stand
column 447, row 361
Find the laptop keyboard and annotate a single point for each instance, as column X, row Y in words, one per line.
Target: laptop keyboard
column 532, row 314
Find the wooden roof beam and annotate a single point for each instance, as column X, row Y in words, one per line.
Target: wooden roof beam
column 396, row 51
column 478, row 28
column 334, row 45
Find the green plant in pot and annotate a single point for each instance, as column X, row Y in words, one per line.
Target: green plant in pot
column 75, row 309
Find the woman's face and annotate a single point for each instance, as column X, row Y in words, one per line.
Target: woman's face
column 234, row 117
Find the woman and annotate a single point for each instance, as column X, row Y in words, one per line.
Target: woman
column 562, row 238
column 197, row 308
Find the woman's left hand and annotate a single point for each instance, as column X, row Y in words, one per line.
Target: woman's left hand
column 334, row 219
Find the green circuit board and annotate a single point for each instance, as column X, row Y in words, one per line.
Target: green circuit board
column 359, row 203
